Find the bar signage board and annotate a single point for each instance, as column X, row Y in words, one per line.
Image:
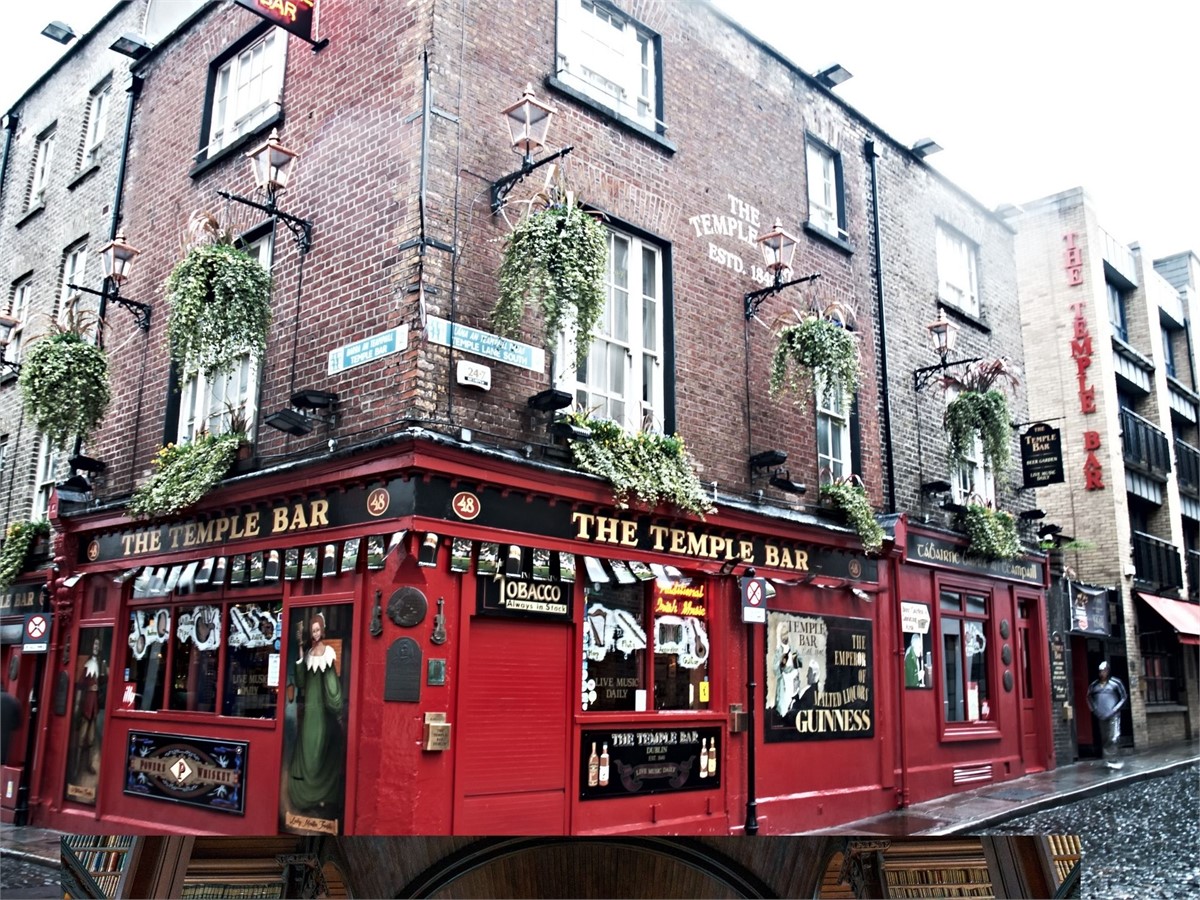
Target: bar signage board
column 622, row 763
column 938, row 551
column 521, row 597
column 295, row 16
column 1041, row 456
column 181, row 769
column 368, row 349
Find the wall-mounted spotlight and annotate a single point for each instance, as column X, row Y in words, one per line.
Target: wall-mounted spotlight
column 81, row 463
column 565, row 428
column 132, row 45
column 768, row 459
column 832, row 76
column 75, row 489
column 550, row 400
column 528, row 124
column 1031, row 515
column 59, row 31
column 292, row 421
column 310, row 398
column 1048, row 531
column 782, row 479
column 940, row 486
column 289, row 421
column 926, row 147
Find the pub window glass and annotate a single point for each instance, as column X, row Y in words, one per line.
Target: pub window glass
column 614, row 648
column 194, row 659
column 965, row 657
column 253, row 641
column 680, row 662
column 149, row 629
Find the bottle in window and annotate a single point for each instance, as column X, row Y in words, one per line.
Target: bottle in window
column 712, row 758
column 704, row 758
column 604, row 767
column 593, row 767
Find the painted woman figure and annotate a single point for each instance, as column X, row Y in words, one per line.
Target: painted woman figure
column 315, row 774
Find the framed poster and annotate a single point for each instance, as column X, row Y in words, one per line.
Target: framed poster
column 918, row 649
column 184, row 769
column 621, row 763
column 90, row 684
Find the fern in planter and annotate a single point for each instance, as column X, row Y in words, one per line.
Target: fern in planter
column 184, row 473
column 220, row 308
column 980, row 408
column 850, row 497
column 993, row 533
column 650, row 468
column 816, row 344
column 64, row 383
column 18, row 541
column 555, row 257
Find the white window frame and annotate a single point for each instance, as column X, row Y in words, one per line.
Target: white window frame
column 96, row 122
column 43, row 162
column 958, row 270
column 44, row 480
column 19, row 310
column 825, row 210
column 209, row 403
column 247, row 89
column 636, row 357
column 973, row 478
column 833, row 421
column 74, row 266
column 606, row 55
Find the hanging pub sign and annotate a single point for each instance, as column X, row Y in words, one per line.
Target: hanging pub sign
column 1089, row 610
column 620, row 763
column 1041, row 456
column 191, row 770
column 295, row 16
column 819, row 678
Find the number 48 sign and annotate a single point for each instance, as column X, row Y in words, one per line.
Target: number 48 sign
column 754, row 600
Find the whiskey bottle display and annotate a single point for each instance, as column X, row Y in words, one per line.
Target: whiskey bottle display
column 593, row 767
column 603, row 766
column 712, row 758
column 704, row 758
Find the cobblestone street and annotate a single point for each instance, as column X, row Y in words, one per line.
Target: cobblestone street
column 20, row 879
column 1141, row 841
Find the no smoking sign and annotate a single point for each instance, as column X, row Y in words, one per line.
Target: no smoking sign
column 754, row 600
column 37, row 633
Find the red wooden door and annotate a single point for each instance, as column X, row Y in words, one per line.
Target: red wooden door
column 512, row 728
column 1026, row 648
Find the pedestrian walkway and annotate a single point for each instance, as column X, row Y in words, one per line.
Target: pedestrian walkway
column 972, row 811
column 35, row 845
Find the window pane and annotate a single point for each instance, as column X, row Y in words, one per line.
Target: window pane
column 194, row 659
column 680, row 662
column 253, row 640
column 952, row 682
column 614, row 648
column 951, row 600
column 149, row 633
column 976, row 604
column 978, row 705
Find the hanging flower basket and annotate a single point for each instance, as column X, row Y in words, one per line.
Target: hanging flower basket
column 992, row 533
column 184, row 473
column 220, row 308
column 554, row 258
column 64, row 384
column 981, row 408
column 648, row 468
column 849, row 496
column 815, row 345
column 18, row 541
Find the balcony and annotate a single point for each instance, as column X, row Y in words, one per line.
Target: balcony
column 1157, row 562
column 1145, row 447
column 1187, row 461
column 1193, row 572
column 1119, row 259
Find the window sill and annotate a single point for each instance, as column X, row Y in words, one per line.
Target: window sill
column 964, row 316
column 33, row 211
column 1127, row 351
column 255, row 134
column 628, row 124
column 1153, row 708
column 7, row 376
column 957, row 733
column 83, row 176
column 832, row 239
column 178, row 715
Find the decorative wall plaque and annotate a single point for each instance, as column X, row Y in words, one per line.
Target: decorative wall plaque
column 1004, row 629
column 1006, row 655
column 407, row 607
column 402, row 679
column 1008, row 681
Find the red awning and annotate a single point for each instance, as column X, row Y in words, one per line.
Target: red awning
column 1183, row 617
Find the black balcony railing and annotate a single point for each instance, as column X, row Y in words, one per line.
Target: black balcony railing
column 1193, row 570
column 1157, row 562
column 1145, row 446
column 1187, row 461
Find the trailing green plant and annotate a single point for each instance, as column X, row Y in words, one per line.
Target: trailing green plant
column 651, row 468
column 815, row 345
column 850, row 496
column 980, row 408
column 556, row 258
column 18, row 540
column 992, row 533
column 184, row 473
column 220, row 307
column 64, row 382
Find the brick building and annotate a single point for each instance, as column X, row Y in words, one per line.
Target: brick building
column 377, row 623
column 1108, row 337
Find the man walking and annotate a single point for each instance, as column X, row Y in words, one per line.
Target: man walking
column 1106, row 695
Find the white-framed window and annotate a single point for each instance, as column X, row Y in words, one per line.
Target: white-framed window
column 19, row 309
column 213, row 403
column 973, row 478
column 622, row 376
column 95, row 121
column 43, row 161
column 606, row 55
column 826, row 210
column 833, row 429
column 247, row 89
column 48, row 462
column 74, row 262
column 1116, row 311
column 958, row 280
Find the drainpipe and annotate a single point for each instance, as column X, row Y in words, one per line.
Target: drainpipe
column 11, row 121
column 872, row 155
column 131, row 98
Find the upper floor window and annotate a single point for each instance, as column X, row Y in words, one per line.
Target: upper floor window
column 958, row 280
column 226, row 400
column 18, row 309
column 246, row 89
column 43, row 160
column 973, row 480
column 826, row 207
column 47, row 466
column 1168, row 353
column 622, row 377
column 833, row 430
column 74, row 261
column 1116, row 312
column 606, row 55
column 94, row 123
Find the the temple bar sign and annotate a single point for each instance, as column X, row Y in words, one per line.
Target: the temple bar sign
column 1041, row 456
column 295, row 16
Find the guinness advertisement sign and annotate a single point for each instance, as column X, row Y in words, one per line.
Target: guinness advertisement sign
column 936, row 551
